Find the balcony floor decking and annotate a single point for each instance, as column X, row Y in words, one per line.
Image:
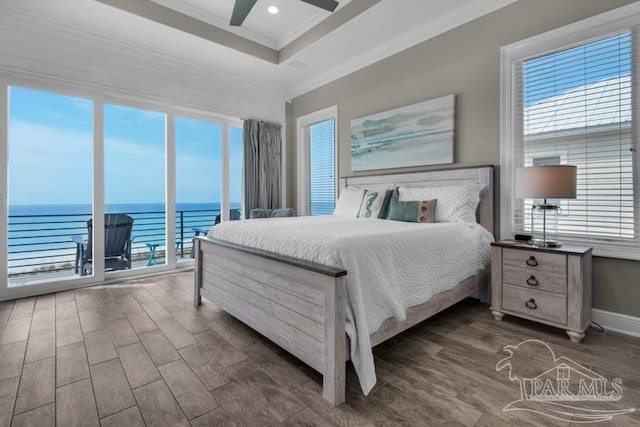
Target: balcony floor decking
column 27, row 279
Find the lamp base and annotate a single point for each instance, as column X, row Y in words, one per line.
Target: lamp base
column 544, row 243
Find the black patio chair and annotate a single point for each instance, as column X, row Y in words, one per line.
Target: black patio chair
column 117, row 245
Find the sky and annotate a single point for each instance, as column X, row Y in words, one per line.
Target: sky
column 51, row 147
column 554, row 74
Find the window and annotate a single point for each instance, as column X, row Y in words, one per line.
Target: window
column 571, row 102
column 198, row 178
column 72, row 155
column 317, row 162
column 134, row 180
column 322, row 181
column 50, row 182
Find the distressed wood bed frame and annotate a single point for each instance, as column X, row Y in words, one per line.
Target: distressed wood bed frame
column 300, row 305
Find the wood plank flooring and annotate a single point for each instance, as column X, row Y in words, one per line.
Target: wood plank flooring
column 140, row 354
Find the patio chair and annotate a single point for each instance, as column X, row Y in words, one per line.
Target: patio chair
column 117, row 245
column 234, row 215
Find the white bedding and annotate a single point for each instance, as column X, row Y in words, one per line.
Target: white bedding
column 391, row 265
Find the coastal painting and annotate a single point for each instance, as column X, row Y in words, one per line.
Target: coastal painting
column 415, row 135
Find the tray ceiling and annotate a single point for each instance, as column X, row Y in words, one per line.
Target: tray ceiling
column 307, row 48
column 275, row 31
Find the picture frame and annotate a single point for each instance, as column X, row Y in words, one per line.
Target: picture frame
column 420, row 134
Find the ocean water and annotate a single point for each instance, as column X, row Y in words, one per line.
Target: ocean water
column 40, row 235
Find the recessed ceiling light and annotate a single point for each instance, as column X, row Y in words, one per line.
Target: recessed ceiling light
column 273, row 10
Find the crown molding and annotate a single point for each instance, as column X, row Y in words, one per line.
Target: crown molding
column 168, row 17
column 273, row 43
column 310, row 23
column 420, row 34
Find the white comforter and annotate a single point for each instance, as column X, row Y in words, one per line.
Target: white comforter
column 391, row 265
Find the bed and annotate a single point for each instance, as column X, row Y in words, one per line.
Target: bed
column 302, row 302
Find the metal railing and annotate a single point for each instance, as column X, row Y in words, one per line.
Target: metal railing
column 40, row 244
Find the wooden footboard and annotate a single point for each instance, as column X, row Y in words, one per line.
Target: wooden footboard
column 298, row 305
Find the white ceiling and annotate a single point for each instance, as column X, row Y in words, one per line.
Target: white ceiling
column 275, row 31
column 384, row 29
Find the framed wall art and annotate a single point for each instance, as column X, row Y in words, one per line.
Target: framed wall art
column 416, row 135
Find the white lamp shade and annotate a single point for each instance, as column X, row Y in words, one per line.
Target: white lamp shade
column 546, row 182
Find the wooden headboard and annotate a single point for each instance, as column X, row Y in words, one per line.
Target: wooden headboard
column 480, row 175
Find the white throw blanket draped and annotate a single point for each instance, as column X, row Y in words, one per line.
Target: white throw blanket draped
column 391, row 265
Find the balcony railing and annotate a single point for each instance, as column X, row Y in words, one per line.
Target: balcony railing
column 40, row 244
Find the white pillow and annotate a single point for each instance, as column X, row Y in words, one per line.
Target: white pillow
column 372, row 202
column 456, row 203
column 348, row 204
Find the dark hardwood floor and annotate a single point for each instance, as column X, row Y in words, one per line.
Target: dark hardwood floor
column 139, row 353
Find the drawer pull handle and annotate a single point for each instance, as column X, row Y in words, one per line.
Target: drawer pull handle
column 532, row 281
column 531, row 304
column 532, row 262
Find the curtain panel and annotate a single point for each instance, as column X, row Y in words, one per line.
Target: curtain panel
column 262, row 158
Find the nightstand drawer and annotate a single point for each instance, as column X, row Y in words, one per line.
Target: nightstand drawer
column 535, row 279
column 534, row 303
column 534, row 261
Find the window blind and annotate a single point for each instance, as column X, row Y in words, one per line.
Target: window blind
column 574, row 106
column 322, row 182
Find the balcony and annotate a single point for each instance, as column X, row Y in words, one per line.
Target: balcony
column 40, row 246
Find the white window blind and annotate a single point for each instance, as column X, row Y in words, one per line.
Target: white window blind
column 575, row 106
column 316, row 192
column 322, row 181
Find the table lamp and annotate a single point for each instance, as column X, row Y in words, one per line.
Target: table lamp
column 545, row 182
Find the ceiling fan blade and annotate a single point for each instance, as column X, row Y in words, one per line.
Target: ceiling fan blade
column 240, row 11
column 329, row 5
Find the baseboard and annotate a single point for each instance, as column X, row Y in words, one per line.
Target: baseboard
column 617, row 322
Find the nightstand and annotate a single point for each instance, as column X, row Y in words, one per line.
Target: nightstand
column 547, row 285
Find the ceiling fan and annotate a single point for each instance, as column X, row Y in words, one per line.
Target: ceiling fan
column 243, row 7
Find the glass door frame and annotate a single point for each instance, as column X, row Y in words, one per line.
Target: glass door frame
column 226, row 123
column 47, row 285
column 100, row 97
column 4, row 179
column 169, row 183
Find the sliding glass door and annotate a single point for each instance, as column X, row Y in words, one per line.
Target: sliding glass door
column 209, row 168
column 50, row 182
column 93, row 190
column 135, row 193
column 198, row 179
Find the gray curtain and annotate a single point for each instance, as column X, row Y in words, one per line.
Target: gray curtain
column 262, row 147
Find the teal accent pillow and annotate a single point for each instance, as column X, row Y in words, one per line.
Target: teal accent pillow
column 260, row 213
column 282, row 213
column 384, row 210
column 412, row 211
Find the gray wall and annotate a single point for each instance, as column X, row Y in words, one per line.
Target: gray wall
column 464, row 61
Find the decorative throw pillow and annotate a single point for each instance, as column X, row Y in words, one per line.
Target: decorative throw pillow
column 389, row 195
column 456, row 203
column 348, row 204
column 412, row 211
column 371, row 204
